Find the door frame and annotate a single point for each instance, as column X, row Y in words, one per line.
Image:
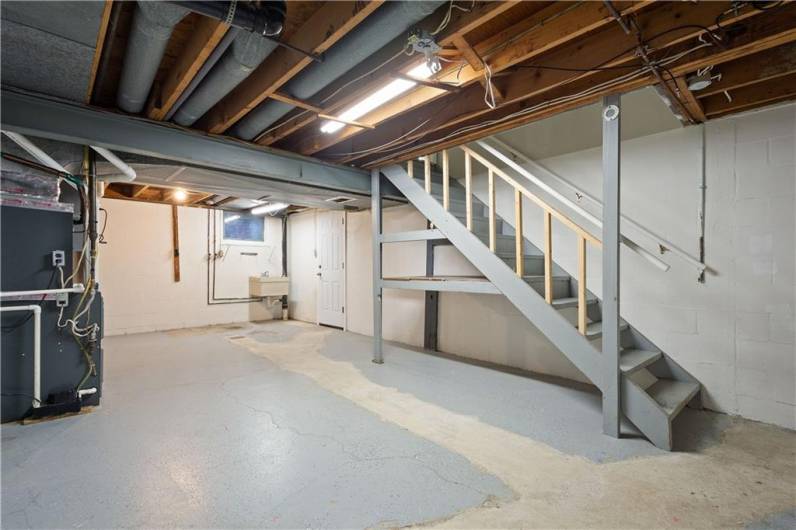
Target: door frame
column 344, row 255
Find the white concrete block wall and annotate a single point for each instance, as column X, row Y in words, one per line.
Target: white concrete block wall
column 735, row 332
column 136, row 274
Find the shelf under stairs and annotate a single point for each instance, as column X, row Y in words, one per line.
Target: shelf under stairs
column 653, row 388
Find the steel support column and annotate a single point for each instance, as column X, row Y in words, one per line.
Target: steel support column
column 375, row 212
column 610, row 306
column 432, row 303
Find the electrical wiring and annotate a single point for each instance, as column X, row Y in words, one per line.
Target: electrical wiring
column 21, row 322
column 447, row 18
column 365, row 151
column 540, row 106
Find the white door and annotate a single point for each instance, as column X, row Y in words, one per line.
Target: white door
column 331, row 268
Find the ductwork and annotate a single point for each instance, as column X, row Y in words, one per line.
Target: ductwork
column 152, row 25
column 245, row 53
column 387, row 23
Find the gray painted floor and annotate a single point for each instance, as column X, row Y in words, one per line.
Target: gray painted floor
column 195, row 431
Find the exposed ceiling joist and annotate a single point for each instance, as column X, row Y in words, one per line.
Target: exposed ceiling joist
column 203, row 40
column 526, row 88
column 551, row 28
column 767, row 64
column 768, row 91
column 98, row 47
column 377, row 72
column 323, row 29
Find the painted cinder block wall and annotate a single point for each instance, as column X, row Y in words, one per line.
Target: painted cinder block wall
column 137, row 279
column 735, row 332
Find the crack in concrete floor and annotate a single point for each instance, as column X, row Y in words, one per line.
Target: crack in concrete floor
column 750, row 474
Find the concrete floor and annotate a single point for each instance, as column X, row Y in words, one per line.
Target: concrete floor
column 290, row 425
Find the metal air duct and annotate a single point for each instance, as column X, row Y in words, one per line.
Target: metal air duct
column 152, row 25
column 387, row 23
column 245, row 53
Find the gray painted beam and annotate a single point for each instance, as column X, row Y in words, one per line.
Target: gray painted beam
column 610, row 306
column 452, row 286
column 55, row 119
column 413, row 235
column 431, row 321
column 375, row 213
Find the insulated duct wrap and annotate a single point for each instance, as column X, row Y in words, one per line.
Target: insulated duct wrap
column 152, row 25
column 245, row 54
column 388, row 22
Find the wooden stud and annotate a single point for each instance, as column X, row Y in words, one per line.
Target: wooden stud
column 752, row 69
column 139, row 191
column 284, row 98
column 446, row 185
column 98, row 46
column 548, row 257
column 492, row 223
column 175, row 230
column 582, row 285
column 410, row 168
column 688, row 100
column 427, row 171
column 468, row 190
column 518, row 236
column 207, row 34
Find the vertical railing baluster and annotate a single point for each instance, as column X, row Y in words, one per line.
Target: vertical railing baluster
column 446, row 185
column 468, row 182
column 548, row 257
column 492, row 234
column 427, row 171
column 582, row 284
column 410, row 169
column 518, row 232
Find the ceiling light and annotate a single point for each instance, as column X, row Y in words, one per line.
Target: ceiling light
column 699, row 81
column 268, row 208
column 387, row 93
column 180, row 195
column 231, row 218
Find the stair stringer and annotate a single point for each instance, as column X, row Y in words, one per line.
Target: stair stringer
column 546, row 318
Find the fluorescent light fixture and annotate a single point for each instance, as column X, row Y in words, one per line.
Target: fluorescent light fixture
column 180, row 195
column 387, row 93
column 232, row 218
column 268, row 208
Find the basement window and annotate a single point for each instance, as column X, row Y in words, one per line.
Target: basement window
column 243, row 228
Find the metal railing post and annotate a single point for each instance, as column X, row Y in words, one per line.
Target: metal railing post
column 375, row 198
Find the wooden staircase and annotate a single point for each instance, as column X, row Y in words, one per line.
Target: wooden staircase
column 653, row 388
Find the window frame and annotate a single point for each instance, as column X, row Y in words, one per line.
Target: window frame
column 241, row 242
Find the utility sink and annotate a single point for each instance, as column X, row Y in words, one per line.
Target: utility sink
column 260, row 286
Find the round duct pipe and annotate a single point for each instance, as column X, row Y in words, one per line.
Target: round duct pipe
column 152, row 25
column 388, row 22
column 267, row 19
column 245, row 53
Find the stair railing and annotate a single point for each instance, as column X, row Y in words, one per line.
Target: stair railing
column 520, row 191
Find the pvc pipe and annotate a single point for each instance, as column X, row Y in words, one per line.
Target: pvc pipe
column 36, row 347
column 86, row 392
column 35, row 152
column 77, row 288
column 129, row 172
column 667, row 245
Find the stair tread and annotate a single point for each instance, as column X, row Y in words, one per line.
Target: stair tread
column 672, row 395
column 633, row 359
column 571, row 301
column 595, row 329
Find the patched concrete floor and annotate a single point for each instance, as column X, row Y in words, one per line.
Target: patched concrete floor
column 288, row 425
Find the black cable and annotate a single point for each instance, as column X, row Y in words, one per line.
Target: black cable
column 101, row 238
column 21, row 322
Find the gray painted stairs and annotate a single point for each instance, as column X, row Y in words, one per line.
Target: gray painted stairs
column 654, row 388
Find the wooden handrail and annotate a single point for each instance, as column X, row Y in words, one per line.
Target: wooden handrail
column 542, row 204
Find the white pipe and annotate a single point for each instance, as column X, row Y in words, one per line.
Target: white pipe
column 664, row 244
column 86, row 392
column 36, row 347
column 129, row 172
column 35, row 152
column 77, row 288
